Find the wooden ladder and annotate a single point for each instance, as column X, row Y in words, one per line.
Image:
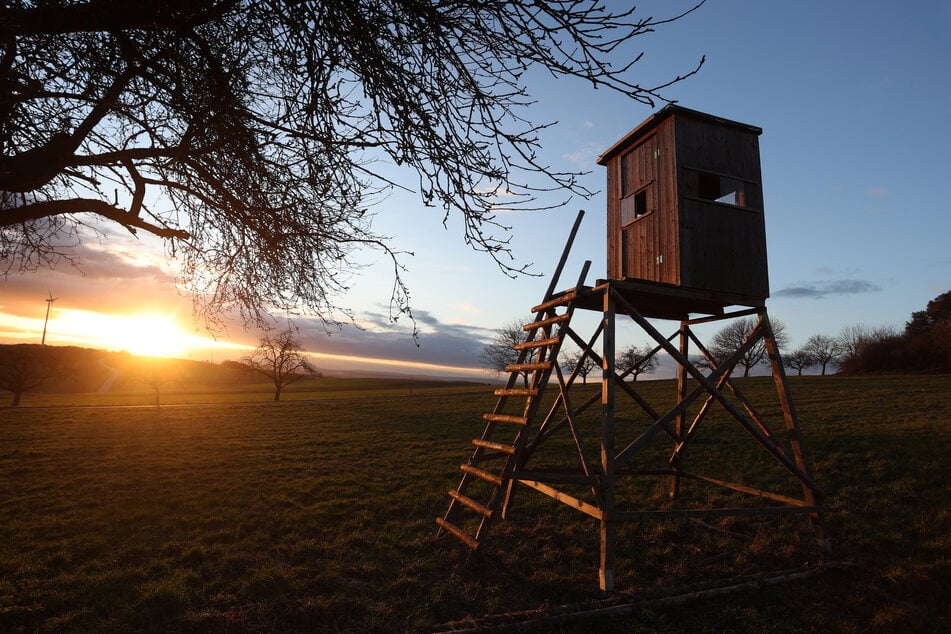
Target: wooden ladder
column 484, row 490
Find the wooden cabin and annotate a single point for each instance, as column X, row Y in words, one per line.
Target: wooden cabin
column 685, row 206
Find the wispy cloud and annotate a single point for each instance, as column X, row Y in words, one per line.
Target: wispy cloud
column 101, row 280
column 439, row 343
column 584, row 156
column 822, row 289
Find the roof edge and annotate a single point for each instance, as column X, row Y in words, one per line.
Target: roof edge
column 655, row 119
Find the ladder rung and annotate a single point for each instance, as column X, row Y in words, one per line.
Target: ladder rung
column 504, row 418
column 561, row 300
column 516, row 391
column 494, row 446
column 541, row 343
column 482, row 474
column 528, row 367
column 458, row 533
column 557, row 319
column 479, row 508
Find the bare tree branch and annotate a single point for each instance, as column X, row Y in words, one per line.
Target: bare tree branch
column 266, row 129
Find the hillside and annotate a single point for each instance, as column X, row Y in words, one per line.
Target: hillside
column 69, row 370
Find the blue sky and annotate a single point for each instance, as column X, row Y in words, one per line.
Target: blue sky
column 854, row 99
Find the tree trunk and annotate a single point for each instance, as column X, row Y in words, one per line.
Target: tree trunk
column 746, row 371
column 16, row 399
column 277, row 392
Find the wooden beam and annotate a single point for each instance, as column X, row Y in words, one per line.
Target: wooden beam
column 710, row 387
column 608, row 429
column 776, row 497
column 631, row 516
column 564, row 498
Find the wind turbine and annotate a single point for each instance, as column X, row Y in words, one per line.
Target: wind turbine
column 49, row 304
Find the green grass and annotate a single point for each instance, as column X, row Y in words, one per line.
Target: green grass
column 180, row 392
column 317, row 515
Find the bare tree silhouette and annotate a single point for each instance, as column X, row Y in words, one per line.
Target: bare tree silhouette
column 250, row 135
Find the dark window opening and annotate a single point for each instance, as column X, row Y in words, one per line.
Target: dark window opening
column 717, row 188
column 633, row 207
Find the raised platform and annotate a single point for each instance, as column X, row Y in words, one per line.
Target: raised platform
column 656, row 300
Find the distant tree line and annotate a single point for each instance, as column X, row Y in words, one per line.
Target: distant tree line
column 924, row 346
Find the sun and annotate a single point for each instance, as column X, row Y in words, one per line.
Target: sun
column 148, row 334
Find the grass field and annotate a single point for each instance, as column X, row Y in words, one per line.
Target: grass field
column 317, row 515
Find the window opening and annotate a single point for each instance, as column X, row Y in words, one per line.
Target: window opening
column 717, row 188
column 633, row 207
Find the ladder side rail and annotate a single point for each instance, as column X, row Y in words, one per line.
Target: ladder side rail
column 564, row 256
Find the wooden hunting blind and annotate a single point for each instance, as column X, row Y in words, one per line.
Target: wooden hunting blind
column 686, row 242
column 685, row 206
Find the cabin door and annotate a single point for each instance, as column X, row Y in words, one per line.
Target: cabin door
column 639, row 217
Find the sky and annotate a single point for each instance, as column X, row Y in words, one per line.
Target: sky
column 854, row 99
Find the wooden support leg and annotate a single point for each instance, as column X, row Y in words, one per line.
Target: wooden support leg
column 606, row 570
column 608, row 528
column 680, row 428
column 792, row 428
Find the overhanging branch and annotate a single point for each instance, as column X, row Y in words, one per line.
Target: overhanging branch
column 38, row 210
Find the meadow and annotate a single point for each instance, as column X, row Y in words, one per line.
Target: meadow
column 229, row 512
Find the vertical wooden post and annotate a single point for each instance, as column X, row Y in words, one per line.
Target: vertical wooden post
column 608, row 527
column 677, row 463
column 792, row 426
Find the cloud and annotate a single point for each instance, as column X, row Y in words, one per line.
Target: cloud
column 819, row 290
column 117, row 281
column 439, row 343
column 878, row 192
column 584, row 156
column 102, row 281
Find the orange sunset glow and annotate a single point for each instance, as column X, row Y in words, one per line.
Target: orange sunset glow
column 147, row 333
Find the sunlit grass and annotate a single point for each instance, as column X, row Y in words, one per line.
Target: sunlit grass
column 318, row 516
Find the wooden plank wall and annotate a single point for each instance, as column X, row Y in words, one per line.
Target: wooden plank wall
column 703, row 245
column 722, row 248
column 720, row 149
column 614, row 218
column 650, row 163
column 668, row 231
